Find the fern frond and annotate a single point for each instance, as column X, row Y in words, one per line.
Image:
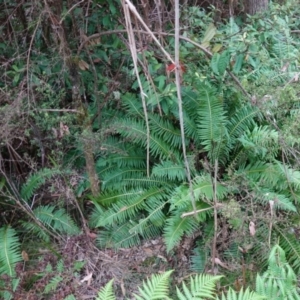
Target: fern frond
column 10, row 252
column 242, row 295
column 212, row 126
column 260, row 142
column 127, row 208
column 170, row 170
column 133, row 158
column 56, row 219
column 241, row 121
column 201, row 286
column 290, row 244
column 52, row 285
column 135, row 130
column 165, row 129
column 35, row 181
column 176, row 227
column 106, row 293
column 118, row 236
column 279, row 280
column 156, row 287
column 199, row 259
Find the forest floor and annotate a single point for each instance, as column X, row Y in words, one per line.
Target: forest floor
column 78, row 267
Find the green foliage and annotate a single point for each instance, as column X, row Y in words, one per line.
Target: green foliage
column 55, row 219
column 35, row 181
column 52, row 285
column 241, row 295
column 10, row 252
column 279, row 281
column 106, row 293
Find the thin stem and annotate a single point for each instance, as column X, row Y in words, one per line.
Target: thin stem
column 178, row 87
column 133, row 51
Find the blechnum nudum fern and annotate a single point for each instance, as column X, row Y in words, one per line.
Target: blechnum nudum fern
column 134, row 206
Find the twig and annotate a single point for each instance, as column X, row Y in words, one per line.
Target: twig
column 181, row 119
column 60, row 110
column 199, row 210
column 133, row 51
column 214, row 245
column 203, row 49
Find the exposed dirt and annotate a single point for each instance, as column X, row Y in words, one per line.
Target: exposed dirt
column 78, row 267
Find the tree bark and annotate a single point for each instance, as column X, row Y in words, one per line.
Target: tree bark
column 255, row 6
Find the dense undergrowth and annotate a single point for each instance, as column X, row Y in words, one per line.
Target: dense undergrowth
column 93, row 135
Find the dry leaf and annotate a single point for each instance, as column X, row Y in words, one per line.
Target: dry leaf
column 220, row 263
column 87, row 278
column 92, row 235
column 83, row 65
column 25, row 255
column 271, row 203
column 252, row 228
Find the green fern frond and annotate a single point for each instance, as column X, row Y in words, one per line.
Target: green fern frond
column 170, row 170
column 56, row 219
column 165, row 130
column 242, row 295
column 176, row 227
column 212, row 125
column 33, row 228
column 156, row 287
column 52, row 285
column 106, row 293
column 201, row 286
column 10, row 252
column 279, row 280
column 131, row 158
column 199, row 259
column 260, row 142
column 203, row 188
column 242, row 120
column 135, row 130
column 117, row 236
column 155, row 215
column 127, row 208
column 290, row 244
column 35, row 181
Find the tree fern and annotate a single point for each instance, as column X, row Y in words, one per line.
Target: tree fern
column 10, row 252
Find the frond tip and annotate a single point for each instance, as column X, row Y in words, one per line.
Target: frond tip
column 10, row 252
column 155, row 288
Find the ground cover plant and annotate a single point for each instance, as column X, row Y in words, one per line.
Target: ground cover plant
column 139, row 138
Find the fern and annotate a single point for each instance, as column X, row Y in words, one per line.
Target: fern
column 106, row 293
column 212, row 126
column 290, row 244
column 279, row 281
column 242, row 295
column 155, row 288
column 201, row 286
column 52, row 285
column 55, row 219
column 35, row 181
column 10, row 252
